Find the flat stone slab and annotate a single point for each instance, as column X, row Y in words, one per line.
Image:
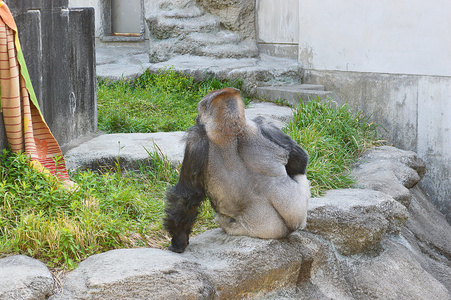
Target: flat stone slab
column 117, row 61
column 132, row 149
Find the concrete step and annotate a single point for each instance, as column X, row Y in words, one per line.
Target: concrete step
column 213, row 38
column 242, row 50
column 191, row 12
column 163, row 27
column 294, row 93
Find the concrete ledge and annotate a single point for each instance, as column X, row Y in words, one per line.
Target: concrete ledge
column 294, row 93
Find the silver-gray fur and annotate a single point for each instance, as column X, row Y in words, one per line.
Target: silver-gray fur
column 253, row 174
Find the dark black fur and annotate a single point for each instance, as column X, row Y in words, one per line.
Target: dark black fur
column 297, row 159
column 184, row 199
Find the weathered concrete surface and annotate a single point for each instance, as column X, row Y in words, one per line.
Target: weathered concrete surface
column 260, row 71
column 22, row 277
column 132, row 148
column 65, row 87
column 278, row 27
column 236, row 15
column 116, row 61
column 375, row 37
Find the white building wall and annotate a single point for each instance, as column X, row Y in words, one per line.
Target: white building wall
column 278, row 27
column 391, row 59
column 384, row 36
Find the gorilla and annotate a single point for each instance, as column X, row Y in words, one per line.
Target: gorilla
column 253, row 174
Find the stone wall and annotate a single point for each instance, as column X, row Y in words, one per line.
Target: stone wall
column 59, row 49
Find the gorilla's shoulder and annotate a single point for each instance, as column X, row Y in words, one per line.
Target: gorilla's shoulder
column 272, row 133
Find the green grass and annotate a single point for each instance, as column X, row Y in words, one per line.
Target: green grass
column 154, row 102
column 105, row 211
column 112, row 210
column 333, row 137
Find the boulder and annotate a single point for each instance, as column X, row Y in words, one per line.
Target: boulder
column 215, row 265
column 355, row 220
column 22, row 277
column 429, row 236
column 394, row 274
column 390, row 170
column 143, row 273
column 243, row 267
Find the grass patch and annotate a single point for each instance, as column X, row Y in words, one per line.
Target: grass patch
column 334, row 138
column 154, row 102
column 112, row 210
column 106, row 211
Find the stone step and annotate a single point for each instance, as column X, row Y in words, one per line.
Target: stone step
column 164, row 27
column 242, row 50
column 254, row 72
column 213, row 38
column 294, row 93
column 192, row 12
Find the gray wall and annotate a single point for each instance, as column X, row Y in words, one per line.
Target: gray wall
column 59, row 48
column 390, row 59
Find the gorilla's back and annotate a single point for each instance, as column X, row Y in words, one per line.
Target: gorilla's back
column 249, row 174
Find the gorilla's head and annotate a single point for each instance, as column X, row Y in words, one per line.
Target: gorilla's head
column 222, row 114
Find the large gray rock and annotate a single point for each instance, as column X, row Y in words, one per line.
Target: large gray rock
column 394, row 274
column 137, row 274
column 429, row 236
column 355, row 220
column 242, row 267
column 215, row 265
column 390, row 170
column 22, row 277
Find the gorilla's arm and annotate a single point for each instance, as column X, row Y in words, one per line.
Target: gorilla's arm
column 293, row 210
column 183, row 199
column 297, row 159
